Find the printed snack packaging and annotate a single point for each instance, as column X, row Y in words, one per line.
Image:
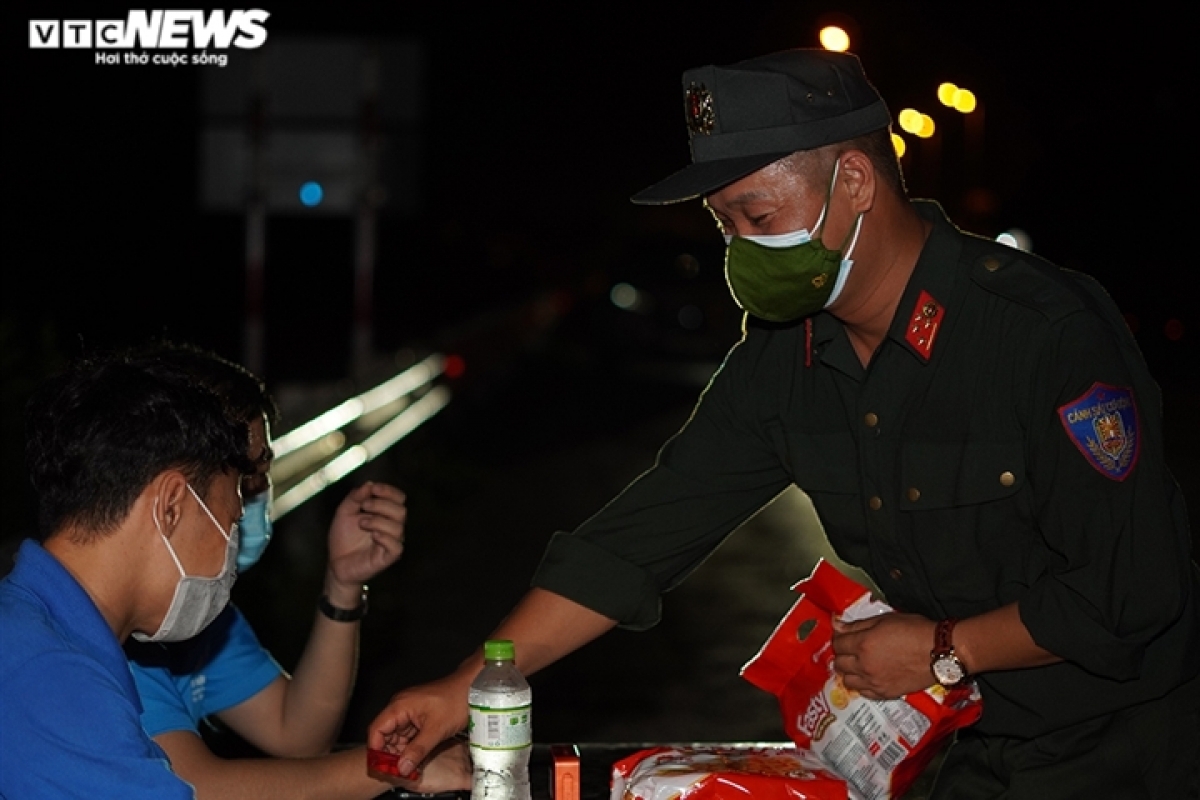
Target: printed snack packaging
column 724, row 773
column 878, row 747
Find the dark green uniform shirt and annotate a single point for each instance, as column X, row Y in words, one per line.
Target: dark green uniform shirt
column 947, row 470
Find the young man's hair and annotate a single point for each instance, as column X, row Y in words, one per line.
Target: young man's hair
column 244, row 394
column 98, row 433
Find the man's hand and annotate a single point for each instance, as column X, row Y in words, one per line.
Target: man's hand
column 884, row 657
column 419, row 719
column 449, row 768
column 367, row 533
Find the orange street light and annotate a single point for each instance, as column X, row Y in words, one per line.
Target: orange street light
column 834, row 38
column 946, row 93
column 899, row 144
column 964, row 101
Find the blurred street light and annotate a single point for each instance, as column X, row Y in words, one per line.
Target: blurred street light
column 945, row 93
column 951, row 96
column 910, row 120
column 835, row 39
column 916, row 123
column 899, row 144
column 964, row 101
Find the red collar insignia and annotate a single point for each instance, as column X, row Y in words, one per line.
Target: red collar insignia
column 923, row 324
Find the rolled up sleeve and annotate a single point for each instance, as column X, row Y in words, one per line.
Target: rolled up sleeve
column 1114, row 524
column 708, row 479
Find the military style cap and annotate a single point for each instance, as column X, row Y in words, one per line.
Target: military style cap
column 743, row 117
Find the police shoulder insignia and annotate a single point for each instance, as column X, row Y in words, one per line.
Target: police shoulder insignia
column 698, row 107
column 1103, row 424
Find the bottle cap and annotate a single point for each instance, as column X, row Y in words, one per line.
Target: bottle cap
column 499, row 650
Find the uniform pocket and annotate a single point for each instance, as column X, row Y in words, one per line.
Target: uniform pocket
column 939, row 475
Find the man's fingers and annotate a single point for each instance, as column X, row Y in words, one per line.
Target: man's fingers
column 382, row 512
column 857, row 626
column 392, row 548
column 846, row 643
column 386, row 491
column 845, row 665
column 360, row 494
column 415, row 752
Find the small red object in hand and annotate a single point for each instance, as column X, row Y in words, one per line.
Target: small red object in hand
column 387, row 763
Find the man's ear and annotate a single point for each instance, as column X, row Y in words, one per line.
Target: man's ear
column 169, row 494
column 858, row 178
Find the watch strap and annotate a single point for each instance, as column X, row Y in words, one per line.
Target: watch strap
column 943, row 650
column 941, row 637
column 343, row 614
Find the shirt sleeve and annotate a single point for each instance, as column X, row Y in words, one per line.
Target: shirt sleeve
column 1106, row 504
column 71, row 731
column 184, row 682
column 708, row 479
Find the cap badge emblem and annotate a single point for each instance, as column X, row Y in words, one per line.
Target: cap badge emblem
column 698, row 106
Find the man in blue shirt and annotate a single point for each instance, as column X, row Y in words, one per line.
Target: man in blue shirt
column 136, row 470
column 225, row 673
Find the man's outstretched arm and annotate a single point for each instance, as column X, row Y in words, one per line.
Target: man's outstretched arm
column 544, row 627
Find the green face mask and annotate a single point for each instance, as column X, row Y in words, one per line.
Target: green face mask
column 782, row 278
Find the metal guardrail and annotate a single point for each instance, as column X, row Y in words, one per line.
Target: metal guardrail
column 330, row 446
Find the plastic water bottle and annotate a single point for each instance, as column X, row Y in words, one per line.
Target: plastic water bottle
column 501, row 732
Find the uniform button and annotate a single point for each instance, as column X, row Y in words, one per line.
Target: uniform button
column 991, row 263
column 875, row 503
column 872, row 419
column 914, row 494
column 896, row 573
column 1007, row 478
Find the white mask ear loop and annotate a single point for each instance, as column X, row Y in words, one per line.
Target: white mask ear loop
column 210, row 514
column 828, row 197
column 847, row 263
column 170, row 549
column 854, row 239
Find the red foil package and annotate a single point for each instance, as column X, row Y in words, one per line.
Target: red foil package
column 724, row 773
column 878, row 747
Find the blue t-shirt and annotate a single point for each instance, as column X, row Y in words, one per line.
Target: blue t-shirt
column 70, row 719
column 181, row 683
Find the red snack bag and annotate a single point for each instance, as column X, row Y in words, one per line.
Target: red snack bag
column 878, row 747
column 724, row 773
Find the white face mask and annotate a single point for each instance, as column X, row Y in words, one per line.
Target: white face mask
column 197, row 601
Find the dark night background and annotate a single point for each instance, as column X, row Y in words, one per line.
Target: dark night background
column 537, row 124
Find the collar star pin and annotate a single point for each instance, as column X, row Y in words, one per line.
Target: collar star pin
column 923, row 324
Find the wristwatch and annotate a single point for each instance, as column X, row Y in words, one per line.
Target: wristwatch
column 344, row 614
column 948, row 669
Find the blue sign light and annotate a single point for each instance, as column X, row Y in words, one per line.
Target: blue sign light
column 311, row 194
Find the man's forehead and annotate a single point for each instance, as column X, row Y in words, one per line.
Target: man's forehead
column 763, row 184
column 742, row 198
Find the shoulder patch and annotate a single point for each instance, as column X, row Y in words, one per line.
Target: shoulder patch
column 1103, row 423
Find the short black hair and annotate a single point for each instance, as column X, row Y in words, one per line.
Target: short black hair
column 817, row 165
column 244, row 394
column 98, row 433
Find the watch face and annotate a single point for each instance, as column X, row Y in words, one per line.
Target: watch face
column 947, row 670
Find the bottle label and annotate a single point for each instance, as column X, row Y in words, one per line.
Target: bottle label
column 501, row 728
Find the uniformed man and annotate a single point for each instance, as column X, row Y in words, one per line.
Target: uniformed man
column 975, row 426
